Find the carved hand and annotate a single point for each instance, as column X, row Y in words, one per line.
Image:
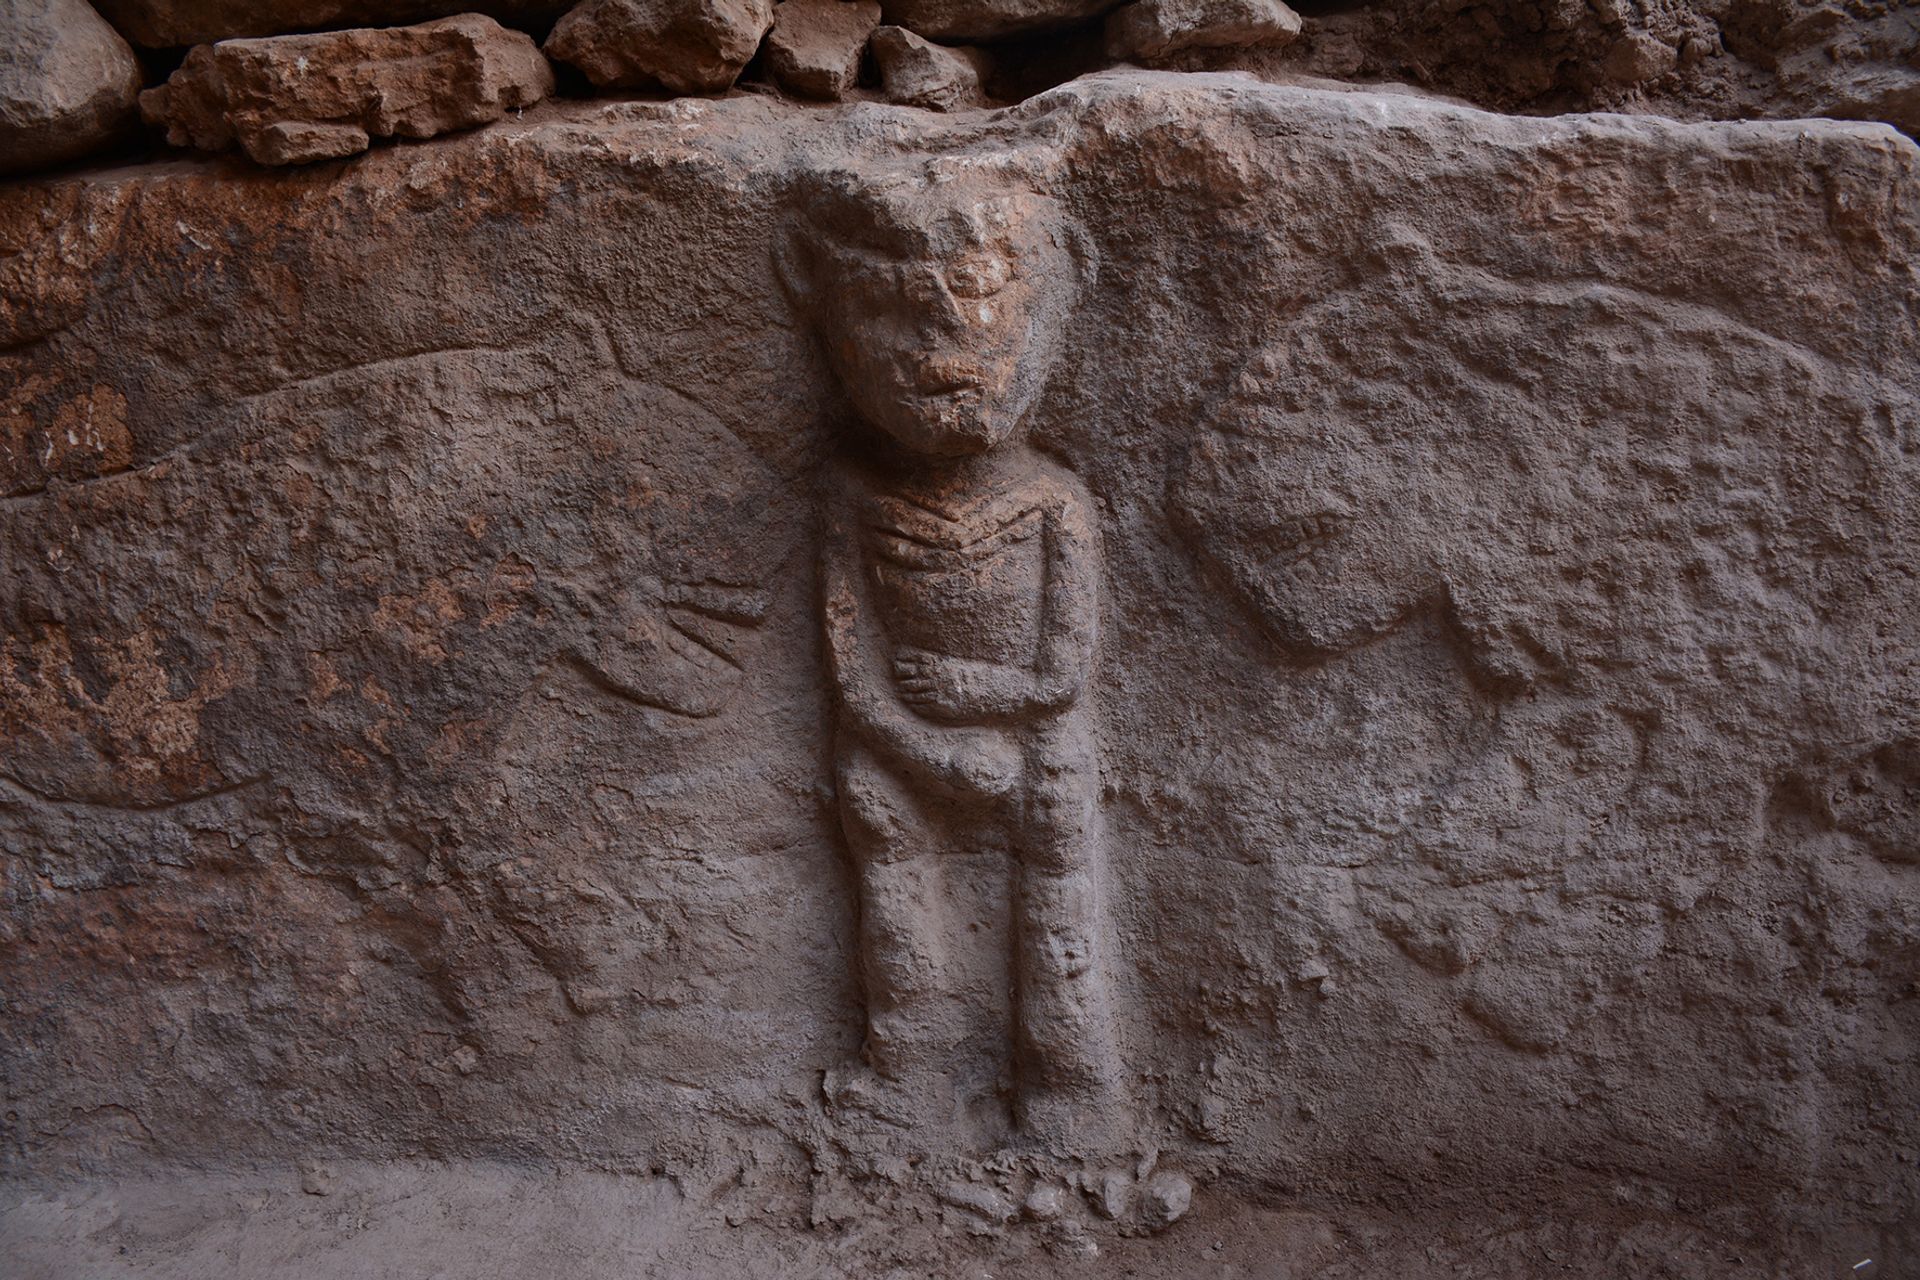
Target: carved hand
column 947, row 688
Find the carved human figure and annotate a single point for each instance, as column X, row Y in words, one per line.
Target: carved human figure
column 960, row 577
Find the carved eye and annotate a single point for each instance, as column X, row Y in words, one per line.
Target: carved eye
column 980, row 277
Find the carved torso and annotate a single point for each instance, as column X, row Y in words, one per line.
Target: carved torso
column 961, row 574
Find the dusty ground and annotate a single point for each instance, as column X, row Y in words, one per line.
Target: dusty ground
column 474, row 1220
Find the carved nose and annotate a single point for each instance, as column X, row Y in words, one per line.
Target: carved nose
column 979, row 277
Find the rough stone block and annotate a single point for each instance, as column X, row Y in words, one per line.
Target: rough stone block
column 67, row 83
column 297, row 99
column 918, row 73
column 815, row 46
column 1689, row 59
column 1147, row 30
column 684, row 46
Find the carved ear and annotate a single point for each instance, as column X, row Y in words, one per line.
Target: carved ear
column 794, row 261
column 1080, row 247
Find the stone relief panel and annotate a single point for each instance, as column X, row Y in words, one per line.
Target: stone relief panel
column 700, row 623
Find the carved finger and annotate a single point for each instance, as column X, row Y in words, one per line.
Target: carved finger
column 693, row 652
column 741, row 605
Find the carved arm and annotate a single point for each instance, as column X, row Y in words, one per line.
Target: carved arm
column 1071, row 624
column 971, row 761
column 960, row 690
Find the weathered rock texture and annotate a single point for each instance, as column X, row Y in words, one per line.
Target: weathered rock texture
column 162, row 24
column 294, row 99
column 67, row 83
column 1152, row 29
column 684, row 46
column 815, row 46
column 1852, row 59
column 418, row 724
column 919, row 73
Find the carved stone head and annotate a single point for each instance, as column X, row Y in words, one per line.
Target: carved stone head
column 939, row 299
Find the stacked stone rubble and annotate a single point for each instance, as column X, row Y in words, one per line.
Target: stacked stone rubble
column 67, row 78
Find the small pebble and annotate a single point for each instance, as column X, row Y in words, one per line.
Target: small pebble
column 317, row 1179
column 1168, row 1196
column 1046, row 1203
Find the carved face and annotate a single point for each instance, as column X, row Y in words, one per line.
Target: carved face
column 1327, row 529
column 942, row 320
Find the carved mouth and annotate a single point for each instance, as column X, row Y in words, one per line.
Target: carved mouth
column 1291, row 541
column 940, row 378
column 952, row 391
column 958, row 392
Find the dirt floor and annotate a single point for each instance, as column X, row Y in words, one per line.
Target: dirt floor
column 360, row 1222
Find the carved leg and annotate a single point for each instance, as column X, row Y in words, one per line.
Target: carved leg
column 911, row 1021
column 1067, row 1061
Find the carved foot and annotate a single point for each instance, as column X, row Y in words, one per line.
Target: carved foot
column 858, row 1095
column 1084, row 1124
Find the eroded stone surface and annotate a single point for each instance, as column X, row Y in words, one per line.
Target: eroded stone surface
column 815, row 46
column 685, row 46
column 67, row 83
column 161, row 24
column 919, row 73
column 1152, row 29
column 297, row 99
column 418, row 726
